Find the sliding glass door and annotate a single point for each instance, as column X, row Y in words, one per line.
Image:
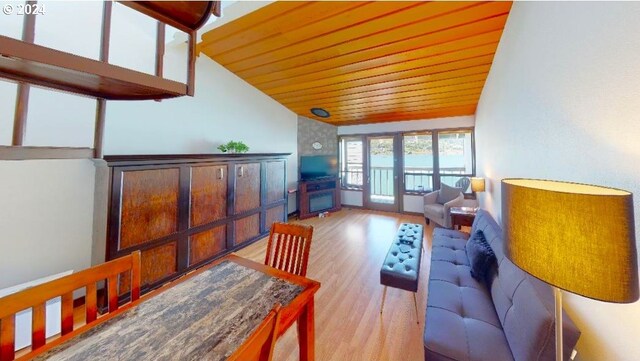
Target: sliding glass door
column 381, row 190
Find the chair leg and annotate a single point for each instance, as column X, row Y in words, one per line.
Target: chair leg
column 384, row 295
column 415, row 303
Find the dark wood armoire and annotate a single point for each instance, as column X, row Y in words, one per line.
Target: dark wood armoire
column 183, row 211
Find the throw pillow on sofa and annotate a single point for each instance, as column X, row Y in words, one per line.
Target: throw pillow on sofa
column 447, row 194
column 481, row 257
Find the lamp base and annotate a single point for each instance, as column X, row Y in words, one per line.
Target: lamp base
column 558, row 297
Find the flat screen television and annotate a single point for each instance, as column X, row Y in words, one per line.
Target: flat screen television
column 318, row 166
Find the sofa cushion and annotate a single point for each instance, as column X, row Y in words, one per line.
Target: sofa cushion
column 447, row 194
column 461, row 322
column 481, row 257
column 524, row 305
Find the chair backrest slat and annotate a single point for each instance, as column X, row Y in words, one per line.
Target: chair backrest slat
column 7, row 338
column 112, row 292
column 288, row 247
column 67, row 313
column 91, row 302
column 36, row 297
column 38, row 319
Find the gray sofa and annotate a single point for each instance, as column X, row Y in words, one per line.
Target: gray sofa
column 466, row 320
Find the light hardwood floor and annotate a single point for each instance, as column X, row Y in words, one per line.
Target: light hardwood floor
column 347, row 252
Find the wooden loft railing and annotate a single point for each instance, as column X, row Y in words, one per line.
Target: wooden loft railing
column 27, row 63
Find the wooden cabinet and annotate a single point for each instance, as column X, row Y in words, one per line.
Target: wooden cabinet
column 208, row 193
column 317, row 196
column 184, row 211
column 247, row 187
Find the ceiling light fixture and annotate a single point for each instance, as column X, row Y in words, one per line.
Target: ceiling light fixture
column 319, row 112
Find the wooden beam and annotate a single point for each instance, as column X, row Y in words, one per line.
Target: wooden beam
column 191, row 69
column 23, row 153
column 160, row 39
column 98, row 135
column 22, row 95
column 101, row 104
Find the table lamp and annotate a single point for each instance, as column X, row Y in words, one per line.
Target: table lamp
column 477, row 184
column 575, row 237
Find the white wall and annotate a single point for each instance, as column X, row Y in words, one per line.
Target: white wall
column 45, row 218
column 561, row 102
column 48, row 206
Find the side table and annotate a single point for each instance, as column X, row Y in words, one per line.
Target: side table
column 462, row 216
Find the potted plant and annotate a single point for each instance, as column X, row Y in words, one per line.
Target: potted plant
column 233, row 147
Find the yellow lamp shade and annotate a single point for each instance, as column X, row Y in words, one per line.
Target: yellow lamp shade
column 477, row 184
column 577, row 237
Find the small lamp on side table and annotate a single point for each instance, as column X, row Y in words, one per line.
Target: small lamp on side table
column 477, row 184
column 575, row 237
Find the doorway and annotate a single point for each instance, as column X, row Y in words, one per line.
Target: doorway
column 381, row 190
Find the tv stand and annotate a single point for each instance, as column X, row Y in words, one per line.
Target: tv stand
column 317, row 196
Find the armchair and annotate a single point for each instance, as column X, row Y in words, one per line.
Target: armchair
column 439, row 212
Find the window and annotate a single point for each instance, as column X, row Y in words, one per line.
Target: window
column 417, row 149
column 455, row 158
column 351, row 162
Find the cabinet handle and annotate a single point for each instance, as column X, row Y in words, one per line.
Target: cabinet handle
column 220, row 173
column 241, row 171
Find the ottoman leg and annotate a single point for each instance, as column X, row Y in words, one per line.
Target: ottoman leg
column 384, row 295
column 415, row 303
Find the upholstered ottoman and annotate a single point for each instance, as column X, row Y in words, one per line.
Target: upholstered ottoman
column 401, row 267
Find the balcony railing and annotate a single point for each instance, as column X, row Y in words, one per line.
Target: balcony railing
column 416, row 179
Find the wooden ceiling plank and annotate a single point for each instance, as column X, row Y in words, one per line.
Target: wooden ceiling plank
column 481, row 57
column 271, row 11
column 409, row 23
column 357, row 104
column 410, row 110
column 273, row 27
column 315, row 35
column 299, row 55
column 434, row 43
column 451, row 112
column 396, row 101
column 407, row 106
column 416, row 83
column 449, row 59
column 364, row 98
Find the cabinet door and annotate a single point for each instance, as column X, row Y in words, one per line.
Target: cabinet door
column 149, row 201
column 247, row 190
column 207, row 244
column 247, row 228
column 208, row 194
column 276, row 187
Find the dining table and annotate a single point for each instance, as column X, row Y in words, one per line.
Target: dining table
column 204, row 315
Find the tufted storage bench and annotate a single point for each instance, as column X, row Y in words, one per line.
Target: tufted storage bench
column 465, row 320
column 401, row 266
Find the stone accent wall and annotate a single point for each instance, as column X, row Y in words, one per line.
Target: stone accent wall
column 310, row 131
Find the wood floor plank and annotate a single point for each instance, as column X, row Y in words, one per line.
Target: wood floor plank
column 347, row 252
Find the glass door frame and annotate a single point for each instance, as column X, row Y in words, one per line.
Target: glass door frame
column 396, row 206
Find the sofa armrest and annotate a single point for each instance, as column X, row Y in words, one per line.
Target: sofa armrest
column 431, row 198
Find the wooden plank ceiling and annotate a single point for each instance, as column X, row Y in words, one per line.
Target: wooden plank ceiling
column 365, row 62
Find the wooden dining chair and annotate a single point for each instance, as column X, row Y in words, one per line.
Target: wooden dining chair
column 35, row 298
column 259, row 346
column 288, row 247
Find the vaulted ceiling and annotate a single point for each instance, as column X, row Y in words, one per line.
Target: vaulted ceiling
column 364, row 62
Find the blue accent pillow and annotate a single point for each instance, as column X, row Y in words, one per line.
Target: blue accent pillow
column 481, row 257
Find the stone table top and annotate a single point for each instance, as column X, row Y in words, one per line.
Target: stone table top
column 206, row 317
